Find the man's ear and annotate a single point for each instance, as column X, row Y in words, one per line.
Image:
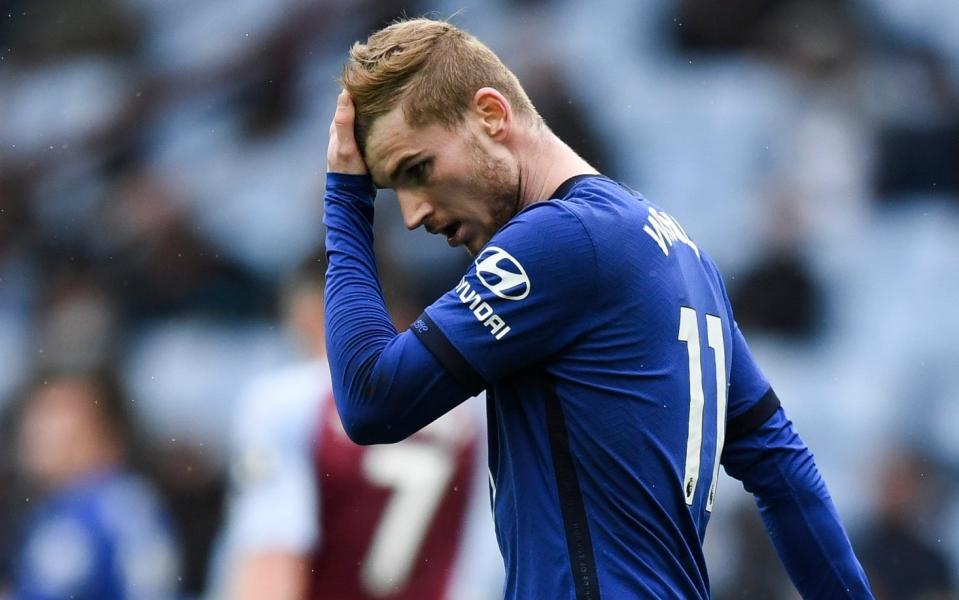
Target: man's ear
column 494, row 112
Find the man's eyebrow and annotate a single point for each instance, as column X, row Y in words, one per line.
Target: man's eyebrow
column 395, row 172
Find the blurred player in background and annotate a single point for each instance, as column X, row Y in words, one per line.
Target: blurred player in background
column 313, row 515
column 904, row 557
column 617, row 376
column 99, row 533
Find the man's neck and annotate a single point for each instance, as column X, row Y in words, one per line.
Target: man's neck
column 547, row 162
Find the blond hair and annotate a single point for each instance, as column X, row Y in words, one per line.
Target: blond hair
column 432, row 67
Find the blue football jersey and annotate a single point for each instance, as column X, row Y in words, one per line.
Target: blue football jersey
column 614, row 371
column 104, row 537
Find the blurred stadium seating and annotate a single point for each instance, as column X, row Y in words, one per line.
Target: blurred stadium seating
column 161, row 173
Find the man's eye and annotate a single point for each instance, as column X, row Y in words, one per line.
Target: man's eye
column 417, row 172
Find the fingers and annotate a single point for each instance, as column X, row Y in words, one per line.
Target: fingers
column 344, row 118
column 345, row 114
column 343, row 154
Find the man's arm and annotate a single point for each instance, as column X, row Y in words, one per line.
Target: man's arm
column 764, row 452
column 386, row 385
column 778, row 469
column 271, row 575
column 273, row 511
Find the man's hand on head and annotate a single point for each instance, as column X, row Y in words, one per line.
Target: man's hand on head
column 343, row 155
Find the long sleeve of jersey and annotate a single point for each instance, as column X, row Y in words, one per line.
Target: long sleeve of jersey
column 386, row 384
column 778, row 469
column 764, row 452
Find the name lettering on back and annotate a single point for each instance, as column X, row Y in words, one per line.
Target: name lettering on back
column 665, row 231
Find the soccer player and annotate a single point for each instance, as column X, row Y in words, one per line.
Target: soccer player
column 616, row 376
column 100, row 533
column 314, row 516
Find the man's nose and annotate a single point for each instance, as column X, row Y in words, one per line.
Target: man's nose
column 414, row 207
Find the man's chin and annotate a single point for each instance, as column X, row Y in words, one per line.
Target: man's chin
column 474, row 247
column 473, row 241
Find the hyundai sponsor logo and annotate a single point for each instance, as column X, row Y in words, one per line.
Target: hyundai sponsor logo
column 502, row 274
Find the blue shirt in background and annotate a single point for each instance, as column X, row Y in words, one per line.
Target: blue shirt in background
column 103, row 537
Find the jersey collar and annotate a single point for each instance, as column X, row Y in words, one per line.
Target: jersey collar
column 565, row 187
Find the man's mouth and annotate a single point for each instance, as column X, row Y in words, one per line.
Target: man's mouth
column 453, row 233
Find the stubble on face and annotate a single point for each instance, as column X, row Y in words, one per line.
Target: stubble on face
column 497, row 185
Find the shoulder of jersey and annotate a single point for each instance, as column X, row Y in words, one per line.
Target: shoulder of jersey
column 621, row 211
column 129, row 507
column 556, row 213
column 289, row 384
column 600, row 205
column 282, row 400
column 601, row 198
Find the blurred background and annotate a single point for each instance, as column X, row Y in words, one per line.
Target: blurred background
column 161, row 177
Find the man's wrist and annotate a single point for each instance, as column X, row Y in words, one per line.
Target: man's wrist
column 356, row 185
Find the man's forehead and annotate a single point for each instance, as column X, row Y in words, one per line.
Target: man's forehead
column 389, row 137
column 392, row 139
